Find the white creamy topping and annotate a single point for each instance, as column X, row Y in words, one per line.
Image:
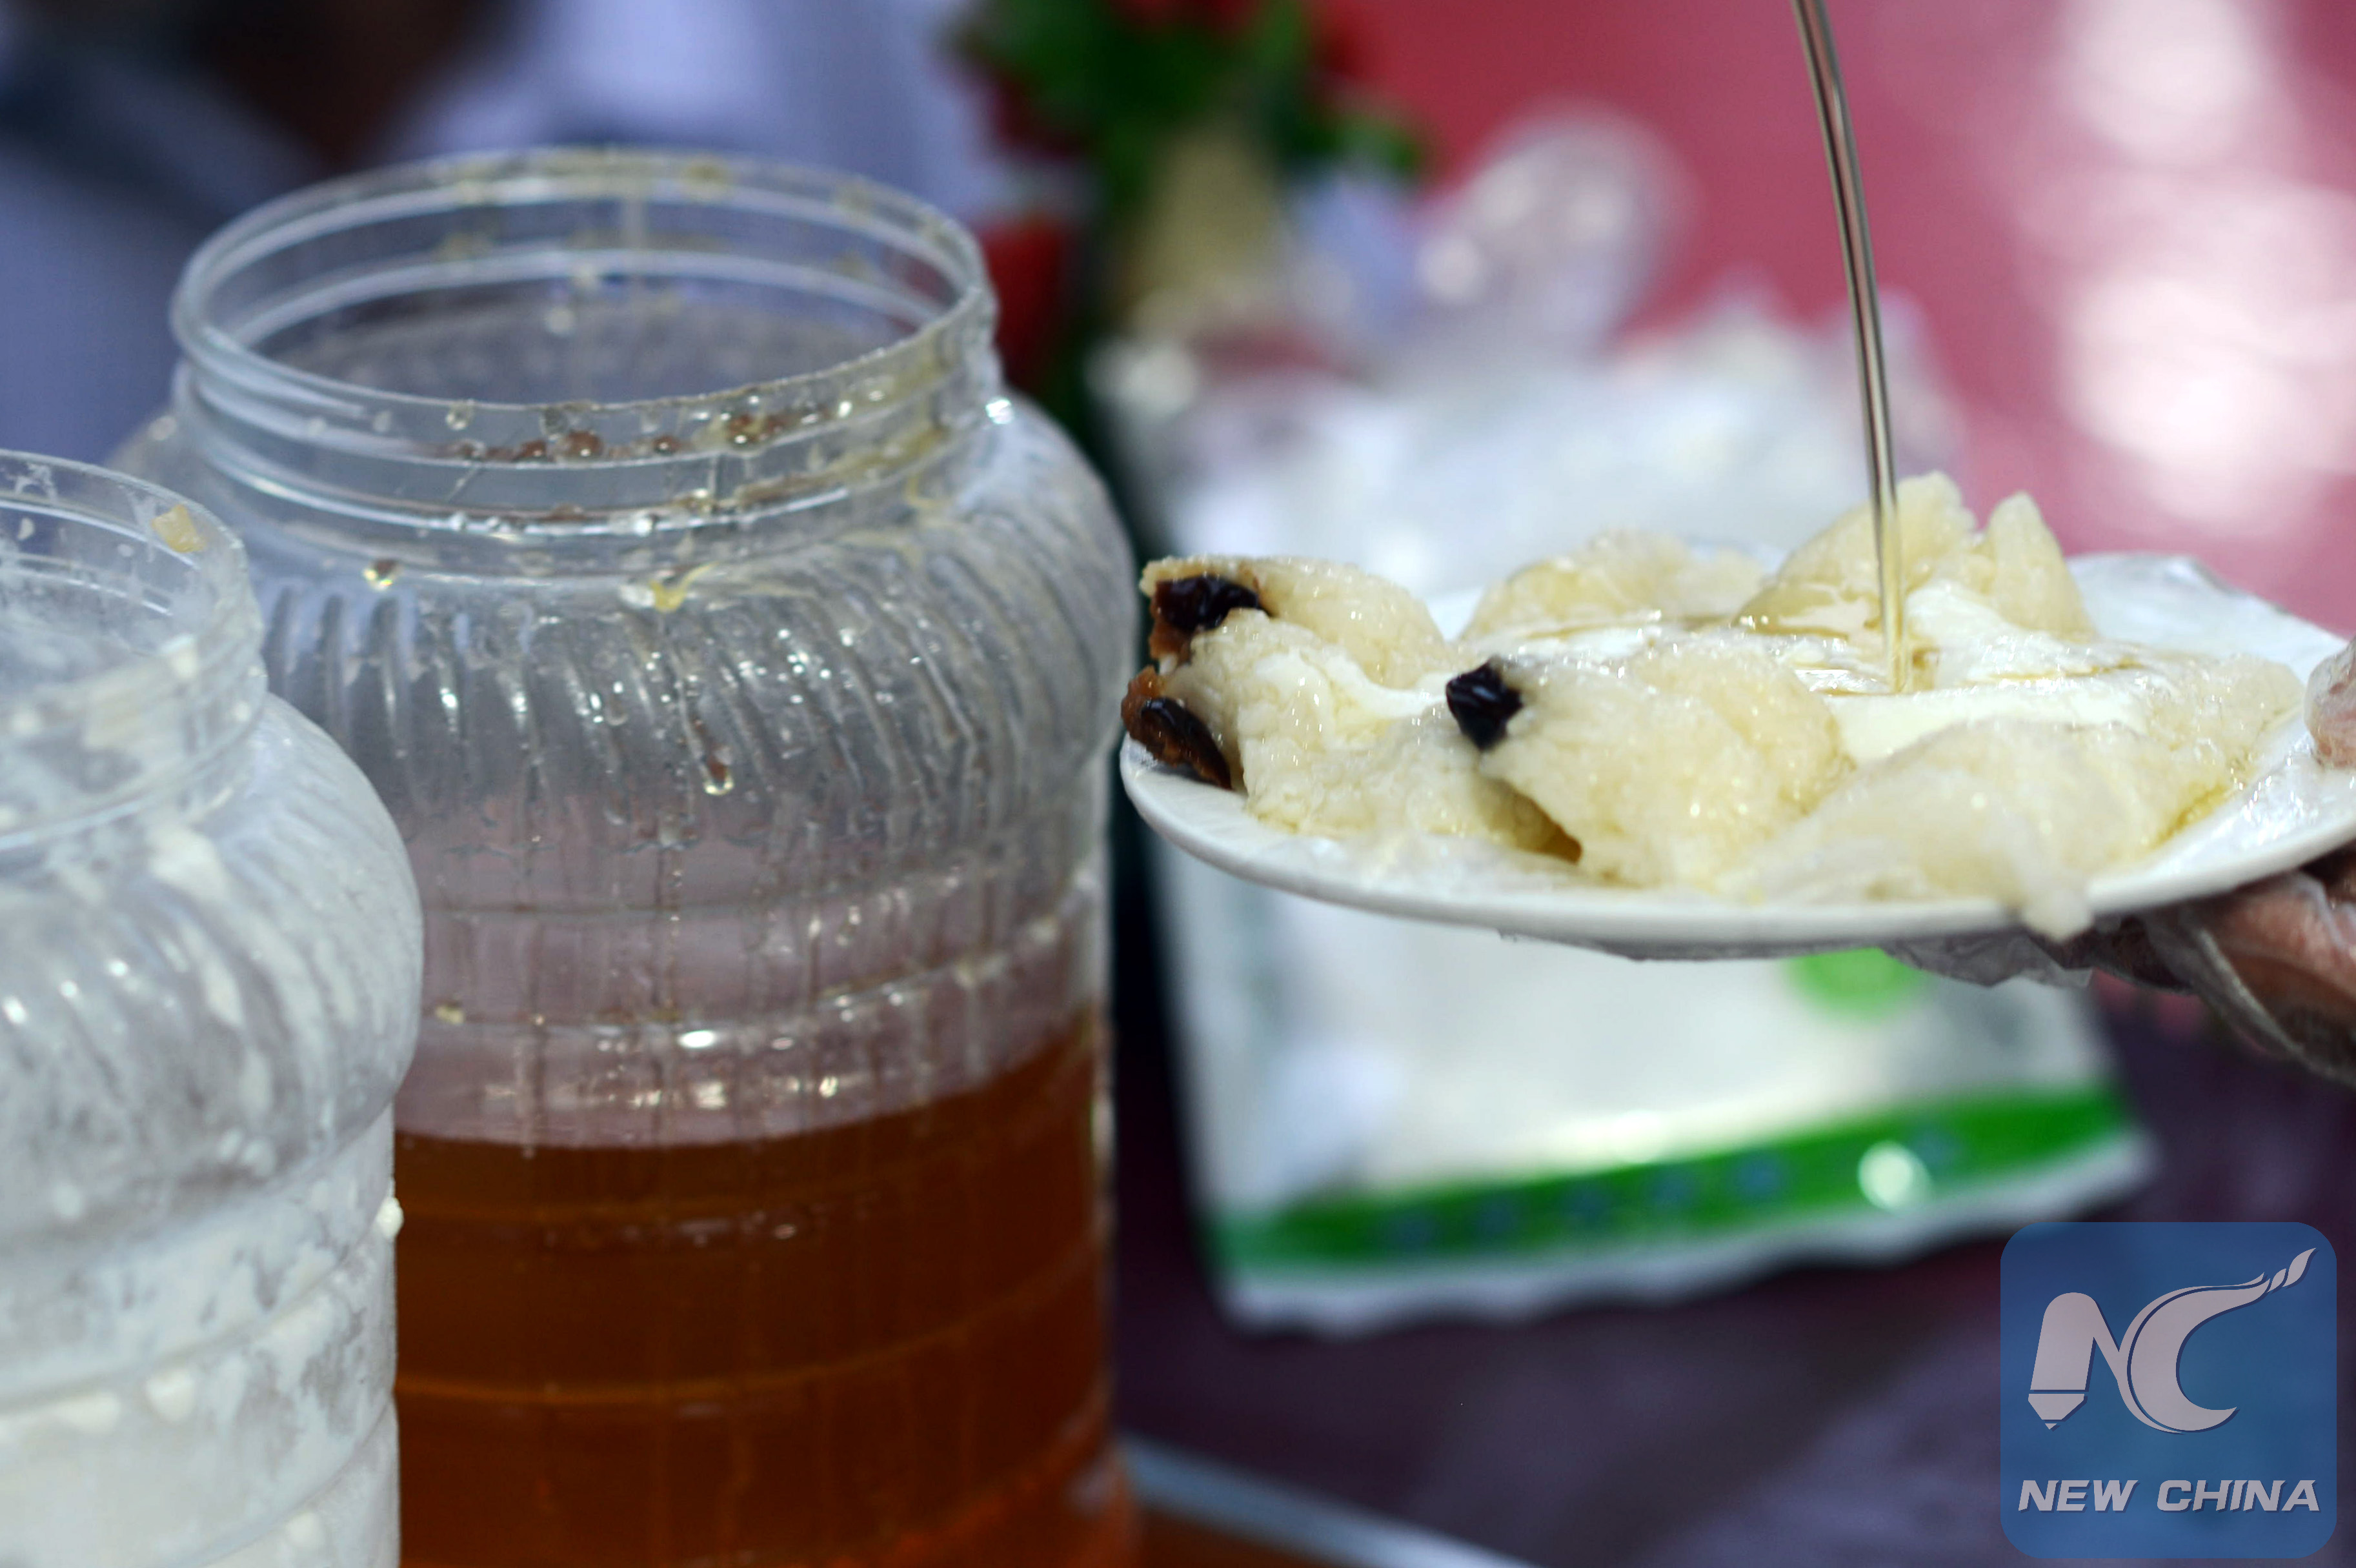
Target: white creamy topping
column 1979, row 665
column 1969, row 644
column 1872, row 728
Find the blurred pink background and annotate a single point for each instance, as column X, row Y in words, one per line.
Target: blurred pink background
column 2131, row 225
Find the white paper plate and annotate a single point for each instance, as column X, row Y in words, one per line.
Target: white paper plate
column 2294, row 810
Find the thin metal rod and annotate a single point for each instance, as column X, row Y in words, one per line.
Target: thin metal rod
column 1865, row 308
column 1292, row 1521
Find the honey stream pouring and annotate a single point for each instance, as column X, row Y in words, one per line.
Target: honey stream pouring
column 1865, row 309
column 2032, row 744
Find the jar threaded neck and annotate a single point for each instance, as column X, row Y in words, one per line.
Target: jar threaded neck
column 130, row 647
column 579, row 355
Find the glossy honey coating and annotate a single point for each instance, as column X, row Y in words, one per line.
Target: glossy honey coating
column 1667, row 715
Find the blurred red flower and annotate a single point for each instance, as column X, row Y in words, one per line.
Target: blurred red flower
column 1107, row 86
column 1343, row 42
column 1017, row 125
column 1030, row 262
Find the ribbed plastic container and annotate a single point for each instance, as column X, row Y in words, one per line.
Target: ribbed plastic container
column 739, row 662
column 208, row 966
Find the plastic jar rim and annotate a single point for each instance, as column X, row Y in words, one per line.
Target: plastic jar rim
column 222, row 636
column 849, row 201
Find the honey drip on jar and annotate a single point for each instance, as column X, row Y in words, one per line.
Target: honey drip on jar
column 1865, row 309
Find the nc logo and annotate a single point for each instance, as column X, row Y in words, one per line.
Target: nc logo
column 2143, row 1359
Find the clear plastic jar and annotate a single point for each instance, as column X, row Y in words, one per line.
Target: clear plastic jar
column 208, row 967
column 739, row 662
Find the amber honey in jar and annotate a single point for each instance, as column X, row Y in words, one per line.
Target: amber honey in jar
column 738, row 662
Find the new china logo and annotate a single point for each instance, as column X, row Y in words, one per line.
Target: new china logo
column 2223, row 1440
column 2144, row 1359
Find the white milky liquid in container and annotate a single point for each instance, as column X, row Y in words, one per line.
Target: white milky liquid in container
column 209, row 957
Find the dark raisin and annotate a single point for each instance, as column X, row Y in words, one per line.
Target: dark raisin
column 1198, row 604
column 1163, row 727
column 1483, row 704
column 1185, row 605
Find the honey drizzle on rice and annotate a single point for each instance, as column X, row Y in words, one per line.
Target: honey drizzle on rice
column 1662, row 715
